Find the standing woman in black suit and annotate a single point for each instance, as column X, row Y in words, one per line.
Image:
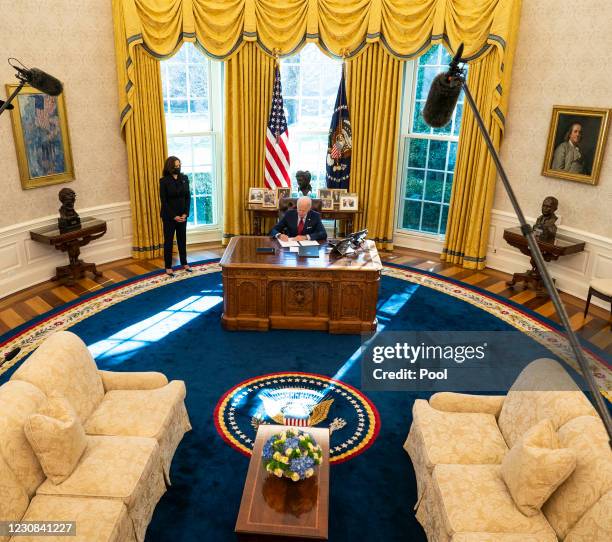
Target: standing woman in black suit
column 175, row 201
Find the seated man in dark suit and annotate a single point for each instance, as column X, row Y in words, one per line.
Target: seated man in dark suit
column 300, row 224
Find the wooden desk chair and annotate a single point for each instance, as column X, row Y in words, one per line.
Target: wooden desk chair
column 601, row 288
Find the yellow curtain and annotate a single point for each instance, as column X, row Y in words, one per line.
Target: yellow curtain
column 473, row 187
column 374, row 106
column 469, row 218
column 145, row 137
column 405, row 28
column 249, row 77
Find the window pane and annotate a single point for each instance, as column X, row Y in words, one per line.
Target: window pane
column 414, row 184
column 417, row 154
column 430, row 57
column 452, row 156
column 437, row 155
column 419, row 125
column 434, row 186
column 431, row 217
column 444, row 219
column 186, row 83
column 310, row 82
column 448, row 187
column 431, row 153
column 412, row 214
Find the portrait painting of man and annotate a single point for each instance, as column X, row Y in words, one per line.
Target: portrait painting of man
column 576, row 143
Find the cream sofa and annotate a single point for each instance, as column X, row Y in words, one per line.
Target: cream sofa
column 457, row 443
column 133, row 424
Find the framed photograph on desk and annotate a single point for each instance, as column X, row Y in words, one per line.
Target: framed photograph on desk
column 325, row 193
column 269, row 199
column 256, row 195
column 327, row 204
column 349, row 202
column 337, row 193
column 284, row 192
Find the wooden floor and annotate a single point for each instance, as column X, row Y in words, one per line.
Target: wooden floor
column 27, row 304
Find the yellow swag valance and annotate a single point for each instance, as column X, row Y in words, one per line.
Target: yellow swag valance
column 406, row 29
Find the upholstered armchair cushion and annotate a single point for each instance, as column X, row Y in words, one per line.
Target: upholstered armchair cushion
column 542, row 390
column 57, row 437
column 461, row 402
column 449, row 437
column 596, row 524
column 13, row 497
column 535, row 467
column 156, row 413
column 474, row 499
column 590, row 481
column 17, row 401
column 63, row 364
column 112, row 380
column 127, row 469
column 97, row 520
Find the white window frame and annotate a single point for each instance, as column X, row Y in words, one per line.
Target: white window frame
column 211, row 232
column 419, row 239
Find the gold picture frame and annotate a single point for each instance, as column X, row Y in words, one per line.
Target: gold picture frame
column 576, row 143
column 42, row 139
column 269, row 199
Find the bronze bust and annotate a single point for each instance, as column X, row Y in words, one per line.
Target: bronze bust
column 545, row 228
column 303, row 181
column 69, row 219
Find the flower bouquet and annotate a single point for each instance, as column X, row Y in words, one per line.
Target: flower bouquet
column 292, row 454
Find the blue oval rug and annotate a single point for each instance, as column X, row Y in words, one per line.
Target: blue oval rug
column 235, row 380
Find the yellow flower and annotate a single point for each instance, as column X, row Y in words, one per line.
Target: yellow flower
column 278, row 472
column 295, row 476
column 309, row 473
column 276, row 456
column 288, row 451
column 269, row 467
column 284, row 459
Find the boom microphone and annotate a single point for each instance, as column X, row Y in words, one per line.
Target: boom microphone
column 40, row 80
column 444, row 93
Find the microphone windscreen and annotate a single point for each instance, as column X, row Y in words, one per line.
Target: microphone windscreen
column 441, row 100
column 9, row 106
column 44, row 82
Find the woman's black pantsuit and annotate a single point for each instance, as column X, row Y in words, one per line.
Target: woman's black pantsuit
column 175, row 201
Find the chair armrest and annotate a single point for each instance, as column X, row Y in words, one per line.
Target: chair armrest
column 132, row 381
column 461, row 402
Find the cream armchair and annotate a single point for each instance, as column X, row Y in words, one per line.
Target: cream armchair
column 133, row 423
column 110, row 403
column 457, row 443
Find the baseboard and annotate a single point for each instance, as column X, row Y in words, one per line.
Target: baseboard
column 572, row 273
column 24, row 262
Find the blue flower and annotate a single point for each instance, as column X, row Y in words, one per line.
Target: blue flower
column 267, row 450
column 292, row 442
column 301, row 465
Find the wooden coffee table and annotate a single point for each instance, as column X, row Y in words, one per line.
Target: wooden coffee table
column 276, row 509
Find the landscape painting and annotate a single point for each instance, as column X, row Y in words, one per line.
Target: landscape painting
column 41, row 138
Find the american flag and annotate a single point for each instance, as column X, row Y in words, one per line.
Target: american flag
column 277, row 140
column 295, row 422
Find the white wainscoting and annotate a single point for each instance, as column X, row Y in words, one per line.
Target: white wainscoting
column 24, row 262
column 572, row 273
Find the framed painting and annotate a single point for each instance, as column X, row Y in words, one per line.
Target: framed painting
column 42, row 142
column 576, row 143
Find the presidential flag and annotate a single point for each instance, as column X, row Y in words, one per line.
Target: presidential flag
column 277, row 140
column 340, row 142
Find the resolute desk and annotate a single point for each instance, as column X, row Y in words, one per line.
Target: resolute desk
column 286, row 291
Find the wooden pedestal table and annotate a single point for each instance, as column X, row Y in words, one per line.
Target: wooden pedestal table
column 277, row 509
column 287, row 291
column 71, row 242
column 551, row 250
